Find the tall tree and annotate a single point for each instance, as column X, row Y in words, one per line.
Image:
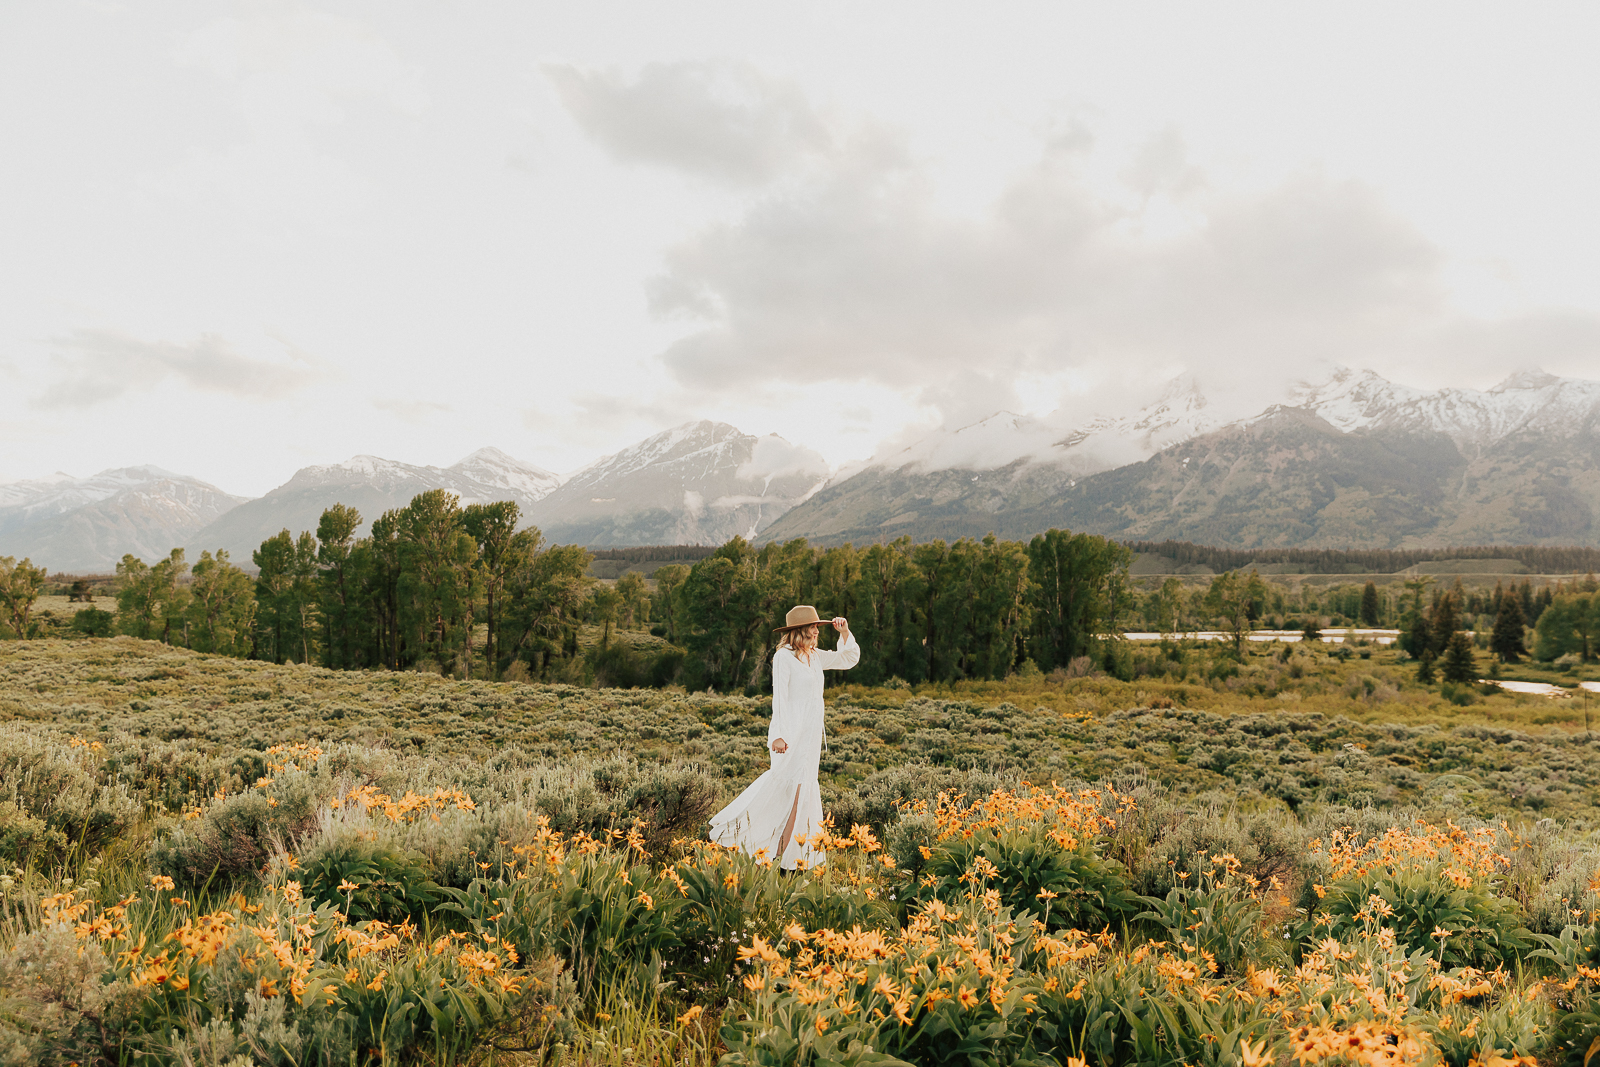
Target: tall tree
column 546, row 598
column 1073, row 583
column 1507, row 640
column 336, row 556
column 493, row 527
column 1459, row 664
column 437, row 559
column 669, row 579
column 634, row 601
column 1369, row 604
column 20, row 586
column 222, row 606
column 150, row 600
column 286, row 597
column 1233, row 597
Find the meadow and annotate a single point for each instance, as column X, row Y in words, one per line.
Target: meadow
column 1298, row 855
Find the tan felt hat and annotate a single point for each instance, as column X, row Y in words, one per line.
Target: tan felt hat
column 804, row 615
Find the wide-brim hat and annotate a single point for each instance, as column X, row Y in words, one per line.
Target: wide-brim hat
column 804, row 615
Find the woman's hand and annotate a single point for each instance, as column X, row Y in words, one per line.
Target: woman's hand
column 841, row 624
column 780, row 746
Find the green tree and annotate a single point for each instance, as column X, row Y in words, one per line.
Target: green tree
column 546, row 598
column 1169, row 612
column 150, row 600
column 1425, row 673
column 222, row 607
column 286, row 597
column 604, row 606
column 880, row 620
column 1234, row 599
column 501, row 550
column 1507, row 639
column 338, row 571
column 1445, row 622
column 1459, row 664
column 1570, row 624
column 20, row 586
column 1369, row 604
column 1311, row 632
column 669, row 580
column 1075, row 582
column 437, row 571
column 634, row 601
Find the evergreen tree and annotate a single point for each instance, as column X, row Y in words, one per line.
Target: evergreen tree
column 1369, row 604
column 1445, row 622
column 1459, row 663
column 1507, row 639
column 1425, row 667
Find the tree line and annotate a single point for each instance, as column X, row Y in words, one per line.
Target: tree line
column 465, row 591
column 1541, row 559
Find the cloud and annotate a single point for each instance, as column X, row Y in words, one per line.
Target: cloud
column 720, row 120
column 858, row 275
column 100, row 365
column 415, row 412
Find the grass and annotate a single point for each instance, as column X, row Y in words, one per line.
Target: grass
column 122, row 761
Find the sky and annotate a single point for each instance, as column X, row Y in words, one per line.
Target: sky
column 238, row 239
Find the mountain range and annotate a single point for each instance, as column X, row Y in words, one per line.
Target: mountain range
column 1350, row 460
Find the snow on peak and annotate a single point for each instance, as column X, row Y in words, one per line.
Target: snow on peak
column 1527, row 378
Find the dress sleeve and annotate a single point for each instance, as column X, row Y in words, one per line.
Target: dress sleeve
column 783, row 666
column 844, row 657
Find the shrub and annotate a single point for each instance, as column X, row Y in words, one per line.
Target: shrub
column 367, row 880
column 229, row 844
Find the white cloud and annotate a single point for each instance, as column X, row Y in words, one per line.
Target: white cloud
column 99, row 365
column 722, row 120
column 858, row 277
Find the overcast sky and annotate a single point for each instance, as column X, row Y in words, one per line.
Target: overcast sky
column 239, row 239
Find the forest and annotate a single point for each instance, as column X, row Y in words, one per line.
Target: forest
column 467, row 592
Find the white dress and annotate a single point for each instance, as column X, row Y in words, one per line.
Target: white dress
column 754, row 822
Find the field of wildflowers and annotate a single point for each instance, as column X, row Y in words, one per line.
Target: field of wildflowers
column 211, row 861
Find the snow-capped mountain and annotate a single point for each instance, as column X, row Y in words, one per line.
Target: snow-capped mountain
column 699, row 483
column 86, row 525
column 965, row 476
column 371, row 485
column 1348, row 460
column 1528, row 401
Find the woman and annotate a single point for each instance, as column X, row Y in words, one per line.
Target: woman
column 785, row 803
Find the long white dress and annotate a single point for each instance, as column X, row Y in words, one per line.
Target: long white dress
column 754, row 822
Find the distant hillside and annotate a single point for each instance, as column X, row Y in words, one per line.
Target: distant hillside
column 1358, row 463
column 699, row 483
column 372, row 486
column 86, row 525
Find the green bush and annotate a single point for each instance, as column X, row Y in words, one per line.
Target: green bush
column 1483, row 930
column 389, row 884
column 1033, row 875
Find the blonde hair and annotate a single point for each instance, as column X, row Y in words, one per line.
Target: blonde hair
column 794, row 639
